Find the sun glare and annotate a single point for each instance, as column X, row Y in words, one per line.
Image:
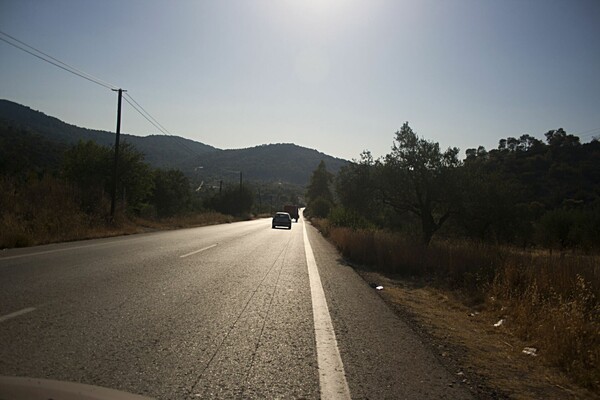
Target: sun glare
column 318, row 14
column 318, row 8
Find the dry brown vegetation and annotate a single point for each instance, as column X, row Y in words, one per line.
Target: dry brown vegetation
column 551, row 299
column 48, row 210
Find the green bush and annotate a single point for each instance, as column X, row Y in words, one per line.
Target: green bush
column 569, row 228
column 319, row 208
column 342, row 217
column 232, row 201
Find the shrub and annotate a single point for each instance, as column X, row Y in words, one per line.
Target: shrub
column 38, row 211
column 551, row 299
column 342, row 217
column 319, row 208
column 569, row 228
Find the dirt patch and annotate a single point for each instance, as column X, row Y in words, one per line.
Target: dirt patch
column 486, row 358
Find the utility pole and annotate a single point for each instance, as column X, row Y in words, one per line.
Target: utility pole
column 116, row 163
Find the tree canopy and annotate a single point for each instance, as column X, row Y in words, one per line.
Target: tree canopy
column 524, row 192
column 319, row 195
column 416, row 177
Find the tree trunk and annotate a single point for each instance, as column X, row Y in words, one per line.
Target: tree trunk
column 428, row 228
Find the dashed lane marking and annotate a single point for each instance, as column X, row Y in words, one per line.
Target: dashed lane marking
column 197, row 251
column 16, row 314
column 39, row 253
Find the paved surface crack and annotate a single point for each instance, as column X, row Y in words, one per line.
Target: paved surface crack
column 224, row 339
column 264, row 323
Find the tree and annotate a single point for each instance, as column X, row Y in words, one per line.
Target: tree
column 319, row 184
column 477, row 154
column 233, row 201
column 135, row 180
column 558, row 137
column 356, row 188
column 488, row 206
column 89, row 166
column 528, row 143
column 416, row 177
column 319, row 196
column 171, row 193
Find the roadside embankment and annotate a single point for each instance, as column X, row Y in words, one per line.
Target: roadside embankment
column 548, row 302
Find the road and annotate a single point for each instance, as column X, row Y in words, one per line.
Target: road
column 225, row 311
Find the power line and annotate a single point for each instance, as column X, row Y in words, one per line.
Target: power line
column 163, row 130
column 142, row 111
column 51, row 60
column 588, row 131
column 143, row 115
column 82, row 74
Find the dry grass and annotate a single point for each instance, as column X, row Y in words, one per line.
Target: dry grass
column 43, row 210
column 552, row 300
column 47, row 210
column 554, row 305
column 185, row 221
column 470, row 346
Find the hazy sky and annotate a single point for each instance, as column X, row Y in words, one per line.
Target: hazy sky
column 339, row 76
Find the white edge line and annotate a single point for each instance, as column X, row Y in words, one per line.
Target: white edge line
column 332, row 378
column 197, row 251
column 16, row 314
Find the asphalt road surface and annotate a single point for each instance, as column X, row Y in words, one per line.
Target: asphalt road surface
column 227, row 311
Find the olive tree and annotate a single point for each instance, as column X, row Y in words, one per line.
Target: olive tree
column 418, row 178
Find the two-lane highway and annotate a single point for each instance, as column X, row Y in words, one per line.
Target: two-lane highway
column 225, row 311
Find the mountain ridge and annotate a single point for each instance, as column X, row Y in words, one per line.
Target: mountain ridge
column 285, row 162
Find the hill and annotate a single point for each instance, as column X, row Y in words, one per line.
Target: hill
column 281, row 162
column 287, row 162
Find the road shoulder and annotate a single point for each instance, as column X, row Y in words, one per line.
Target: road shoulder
column 488, row 358
column 383, row 357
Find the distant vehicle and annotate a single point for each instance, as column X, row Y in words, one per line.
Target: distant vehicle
column 292, row 210
column 282, row 219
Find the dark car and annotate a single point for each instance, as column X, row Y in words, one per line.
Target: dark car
column 282, row 219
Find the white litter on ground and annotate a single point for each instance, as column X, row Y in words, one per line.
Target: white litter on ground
column 530, row 351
